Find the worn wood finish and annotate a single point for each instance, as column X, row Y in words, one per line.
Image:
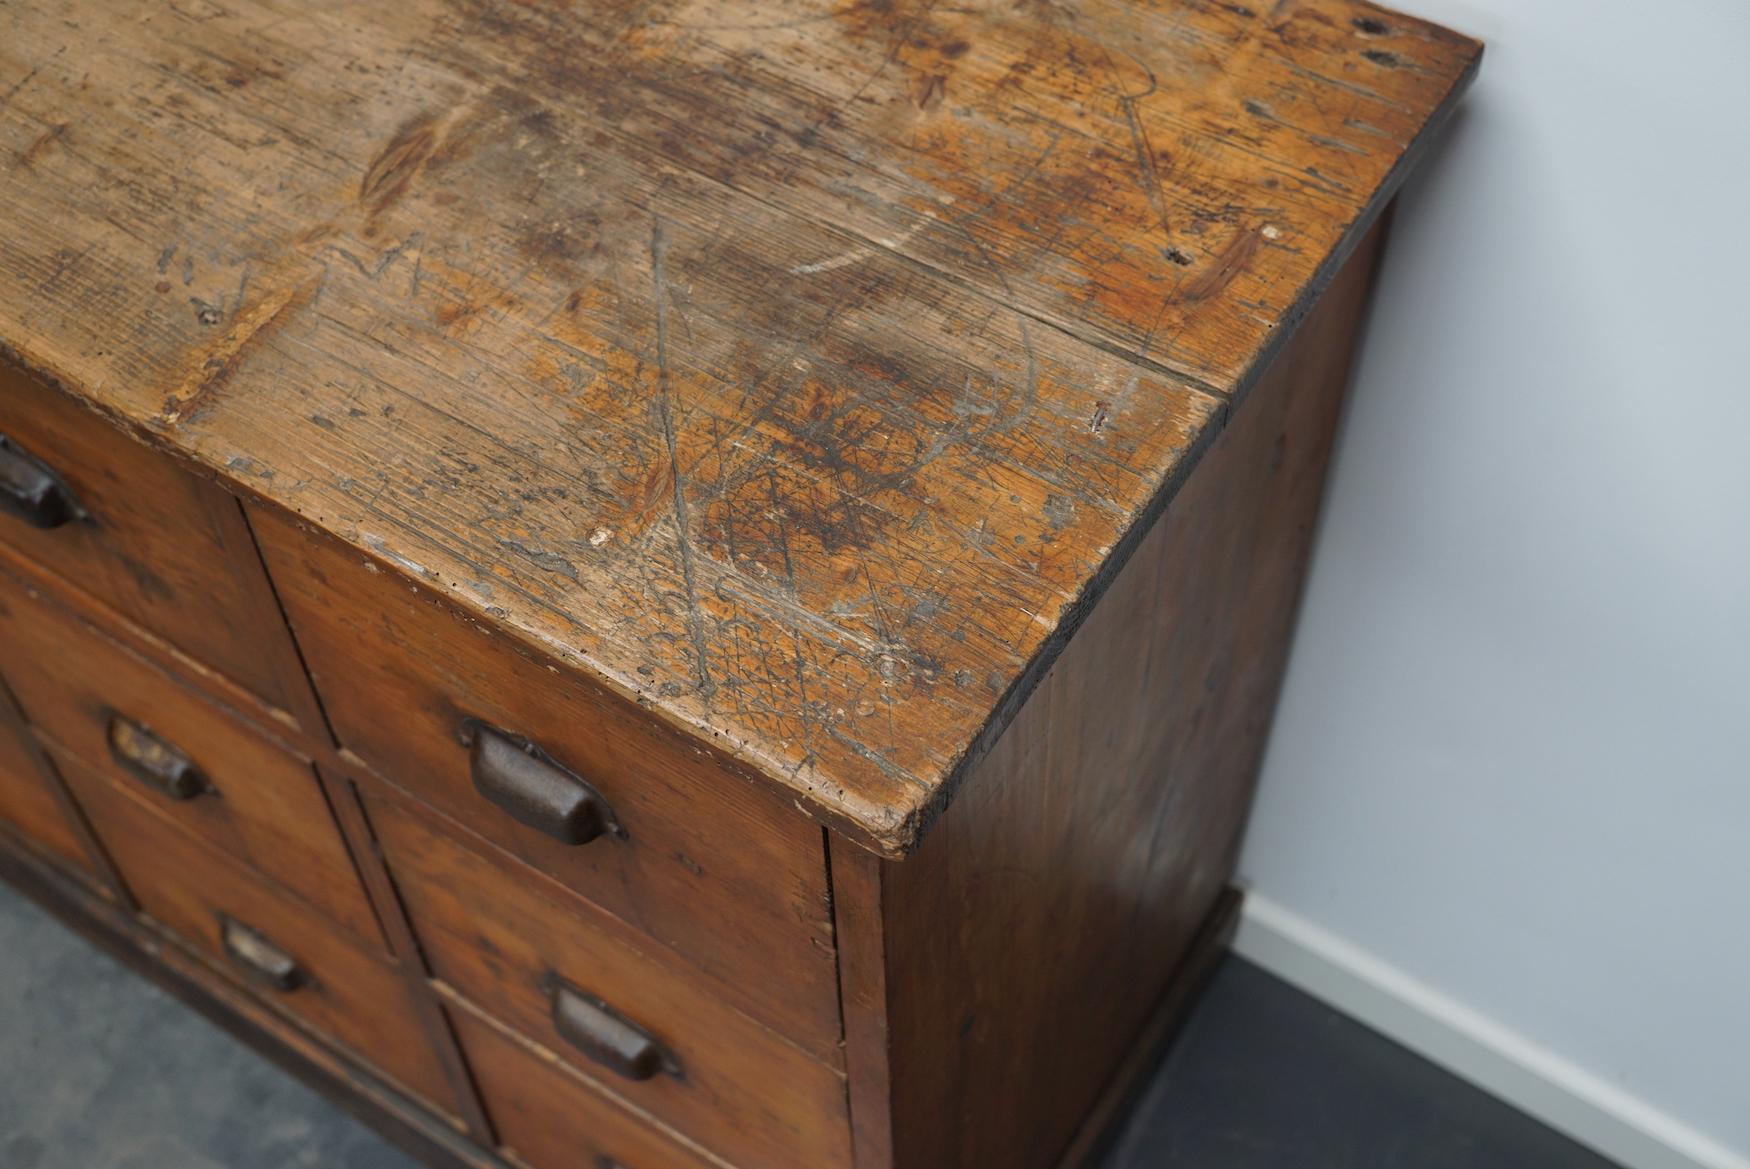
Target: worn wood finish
column 857, row 918
column 91, row 861
column 27, row 800
column 400, row 672
column 1055, row 899
column 550, row 1118
column 902, row 418
column 159, row 545
column 137, row 944
column 349, row 813
column 351, row 995
column 265, row 806
column 801, row 374
column 742, row 1091
column 1103, row 1122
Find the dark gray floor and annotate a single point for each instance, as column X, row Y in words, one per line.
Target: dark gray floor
column 99, row 1070
column 1266, row 1077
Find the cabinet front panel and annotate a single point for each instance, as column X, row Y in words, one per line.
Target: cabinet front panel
column 580, row 983
column 550, row 1118
column 28, row 807
column 269, row 943
column 208, row 769
column 575, row 782
column 125, row 525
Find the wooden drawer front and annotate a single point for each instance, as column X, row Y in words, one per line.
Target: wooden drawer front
column 29, row 807
column 341, row 990
column 550, row 1118
column 104, row 705
column 164, row 548
column 734, row 1086
column 716, row 869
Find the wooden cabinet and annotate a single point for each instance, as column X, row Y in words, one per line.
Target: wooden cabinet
column 153, row 542
column 447, row 709
column 28, row 807
column 701, row 591
column 547, row 1115
column 254, row 933
column 210, row 770
column 565, row 977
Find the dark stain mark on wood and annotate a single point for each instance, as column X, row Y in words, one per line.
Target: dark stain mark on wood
column 852, row 419
column 546, row 561
column 390, row 173
column 1231, row 261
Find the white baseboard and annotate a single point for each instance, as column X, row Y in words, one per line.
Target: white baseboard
column 1500, row 1061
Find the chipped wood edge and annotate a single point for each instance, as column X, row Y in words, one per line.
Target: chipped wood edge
column 1143, row 521
column 877, row 828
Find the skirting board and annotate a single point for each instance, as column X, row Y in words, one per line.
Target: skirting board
column 1502, row 1062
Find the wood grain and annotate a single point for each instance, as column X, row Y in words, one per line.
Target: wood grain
column 802, row 374
column 743, row 1091
column 550, row 1118
column 159, row 546
column 1203, row 956
column 1057, row 896
column 858, row 915
column 349, row 814
column 351, row 996
column 712, row 866
column 265, row 808
column 27, row 801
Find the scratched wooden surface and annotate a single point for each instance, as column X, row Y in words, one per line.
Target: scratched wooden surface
column 802, row 371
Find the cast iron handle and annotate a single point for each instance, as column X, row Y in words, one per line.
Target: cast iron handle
column 31, row 491
column 259, row 957
column 606, row 1036
column 156, row 763
column 533, row 788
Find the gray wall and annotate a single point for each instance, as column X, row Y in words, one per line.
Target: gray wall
column 1513, row 756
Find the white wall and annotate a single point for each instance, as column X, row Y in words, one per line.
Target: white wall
column 1512, row 760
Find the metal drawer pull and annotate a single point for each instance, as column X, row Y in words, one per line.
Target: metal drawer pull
column 154, row 762
column 32, row 492
column 605, row 1035
column 259, row 957
column 533, row 788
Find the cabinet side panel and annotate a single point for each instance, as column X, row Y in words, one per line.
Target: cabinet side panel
column 1030, row 937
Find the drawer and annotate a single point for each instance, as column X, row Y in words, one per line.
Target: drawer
column 167, row 550
column 663, row 1043
column 549, row 1118
column 720, row 871
column 291, row 957
column 29, row 807
column 211, row 771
